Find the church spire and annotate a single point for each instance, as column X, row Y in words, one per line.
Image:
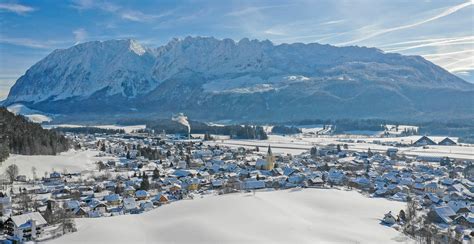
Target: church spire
column 270, row 159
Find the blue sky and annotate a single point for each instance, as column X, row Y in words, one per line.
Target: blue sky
column 440, row 30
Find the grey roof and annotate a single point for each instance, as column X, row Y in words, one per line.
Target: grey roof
column 445, row 212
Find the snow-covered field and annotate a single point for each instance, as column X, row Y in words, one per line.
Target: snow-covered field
column 126, row 128
column 298, row 144
column 71, row 161
column 289, row 216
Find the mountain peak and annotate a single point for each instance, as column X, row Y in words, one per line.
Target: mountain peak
column 136, row 47
column 206, row 68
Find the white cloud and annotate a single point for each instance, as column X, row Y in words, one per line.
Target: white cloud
column 79, row 35
column 440, row 55
column 254, row 9
column 333, row 22
column 446, row 42
column 23, row 42
column 16, row 8
column 32, row 43
column 122, row 12
column 445, row 13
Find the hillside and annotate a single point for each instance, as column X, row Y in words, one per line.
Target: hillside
column 19, row 136
column 248, row 80
column 289, row 216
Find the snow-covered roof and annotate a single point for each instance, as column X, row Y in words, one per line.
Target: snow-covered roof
column 254, row 184
column 129, row 203
column 141, row 193
column 444, row 212
column 19, row 220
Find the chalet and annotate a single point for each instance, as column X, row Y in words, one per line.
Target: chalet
column 80, row 212
column 254, row 184
column 72, row 205
column 146, row 205
column 98, row 206
column 142, row 195
column 423, row 141
column 159, row 199
column 129, row 204
column 442, row 214
column 112, row 199
column 361, row 182
column 447, row 142
column 431, row 187
column 400, row 196
column 25, row 227
column 129, row 190
column 217, row 183
column 193, row 184
column 430, row 199
column 336, row 176
column 316, row 181
column 466, row 219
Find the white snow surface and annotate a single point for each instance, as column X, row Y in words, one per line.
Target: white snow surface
column 31, row 114
column 71, row 161
column 126, row 128
column 298, row 144
column 289, row 216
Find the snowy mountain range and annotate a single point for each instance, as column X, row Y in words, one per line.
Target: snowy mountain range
column 207, row 78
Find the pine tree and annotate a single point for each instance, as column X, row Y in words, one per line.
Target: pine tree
column 156, row 174
column 145, row 184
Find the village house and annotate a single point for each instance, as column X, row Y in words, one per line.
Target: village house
column 25, row 227
column 442, row 214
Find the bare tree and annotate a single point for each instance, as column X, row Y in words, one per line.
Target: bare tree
column 65, row 218
column 12, row 172
column 411, row 210
column 24, row 201
column 33, row 171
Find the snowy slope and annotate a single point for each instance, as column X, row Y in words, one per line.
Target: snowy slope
column 33, row 115
column 216, row 79
column 290, row 216
column 118, row 66
column 71, row 161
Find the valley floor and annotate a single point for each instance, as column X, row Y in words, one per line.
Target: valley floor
column 298, row 144
column 287, row 216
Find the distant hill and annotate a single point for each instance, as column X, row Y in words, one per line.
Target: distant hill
column 20, row 136
column 248, row 80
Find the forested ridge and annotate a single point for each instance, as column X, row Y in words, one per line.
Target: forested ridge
column 20, row 136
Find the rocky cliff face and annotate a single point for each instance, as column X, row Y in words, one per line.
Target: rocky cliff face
column 223, row 79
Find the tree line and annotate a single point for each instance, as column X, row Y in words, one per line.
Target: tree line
column 234, row 131
column 20, row 136
column 89, row 130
